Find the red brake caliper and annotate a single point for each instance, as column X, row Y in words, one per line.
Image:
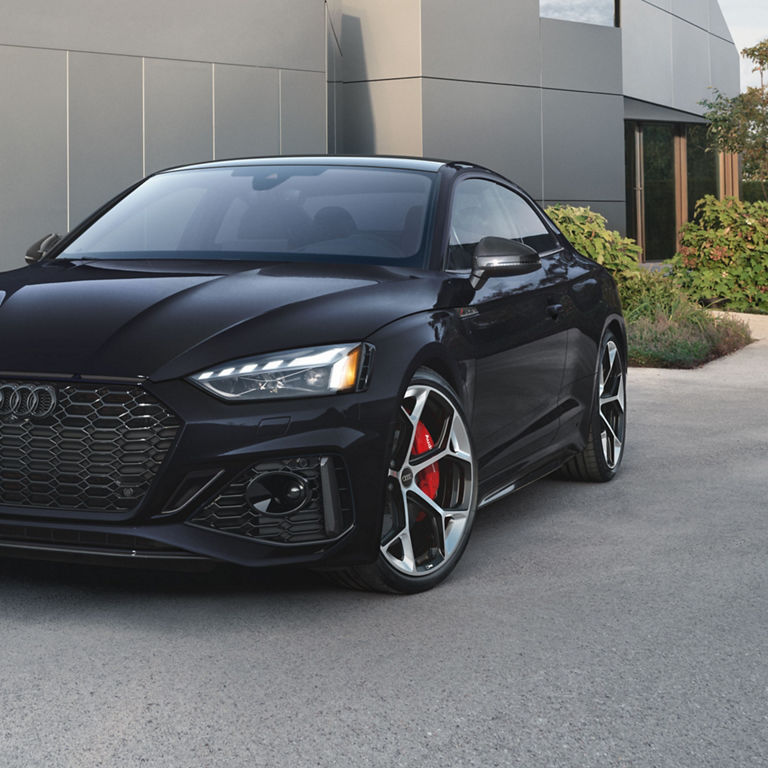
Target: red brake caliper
column 428, row 479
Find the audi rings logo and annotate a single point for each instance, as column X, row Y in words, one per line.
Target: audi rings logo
column 26, row 401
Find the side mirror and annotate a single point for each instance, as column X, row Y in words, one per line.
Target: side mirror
column 497, row 257
column 38, row 250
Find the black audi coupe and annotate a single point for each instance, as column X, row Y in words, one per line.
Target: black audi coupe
column 326, row 361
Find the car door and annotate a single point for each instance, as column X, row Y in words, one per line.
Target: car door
column 515, row 327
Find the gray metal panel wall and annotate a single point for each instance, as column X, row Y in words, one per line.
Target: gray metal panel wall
column 717, row 24
column 490, row 82
column 380, row 40
column 93, row 95
column 335, row 76
column 302, row 112
column 105, row 129
column 583, row 117
column 482, row 41
column 33, row 165
column 583, row 147
column 384, row 118
column 178, row 125
column 647, row 52
column 675, row 51
column 247, row 111
column 497, row 125
column 562, row 140
column 283, row 35
column 580, row 57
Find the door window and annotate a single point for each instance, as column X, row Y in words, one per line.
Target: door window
column 483, row 208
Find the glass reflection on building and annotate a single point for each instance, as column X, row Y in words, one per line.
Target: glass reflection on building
column 603, row 12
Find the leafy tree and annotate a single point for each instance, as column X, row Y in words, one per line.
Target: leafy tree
column 740, row 123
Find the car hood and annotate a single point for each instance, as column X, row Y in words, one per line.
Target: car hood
column 122, row 319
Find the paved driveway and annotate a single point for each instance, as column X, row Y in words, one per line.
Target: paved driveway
column 588, row 625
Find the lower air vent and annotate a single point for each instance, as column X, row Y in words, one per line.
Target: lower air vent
column 297, row 500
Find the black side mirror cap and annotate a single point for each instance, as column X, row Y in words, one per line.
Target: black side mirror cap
column 498, row 256
column 38, row 250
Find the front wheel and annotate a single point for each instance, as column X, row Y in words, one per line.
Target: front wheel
column 431, row 493
column 599, row 460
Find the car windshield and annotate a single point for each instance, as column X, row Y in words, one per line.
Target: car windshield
column 268, row 212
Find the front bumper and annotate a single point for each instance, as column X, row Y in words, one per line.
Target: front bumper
column 216, row 444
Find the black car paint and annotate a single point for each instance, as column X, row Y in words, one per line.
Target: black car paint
column 159, row 322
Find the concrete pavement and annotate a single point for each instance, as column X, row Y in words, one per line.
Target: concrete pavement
column 623, row 624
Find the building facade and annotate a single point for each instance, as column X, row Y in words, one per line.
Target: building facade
column 586, row 102
column 604, row 113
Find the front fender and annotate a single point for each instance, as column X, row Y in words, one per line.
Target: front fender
column 435, row 340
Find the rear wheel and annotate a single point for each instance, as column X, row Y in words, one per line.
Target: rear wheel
column 601, row 456
column 431, row 493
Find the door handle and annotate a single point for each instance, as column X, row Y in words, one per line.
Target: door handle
column 554, row 310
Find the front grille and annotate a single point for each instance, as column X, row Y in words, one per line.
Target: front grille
column 326, row 514
column 98, row 450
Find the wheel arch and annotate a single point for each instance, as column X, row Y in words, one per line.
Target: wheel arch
column 616, row 325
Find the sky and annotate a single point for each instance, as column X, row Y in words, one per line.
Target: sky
column 748, row 22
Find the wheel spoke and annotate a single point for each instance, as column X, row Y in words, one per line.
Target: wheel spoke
column 419, row 463
column 618, row 398
column 612, row 399
column 612, row 404
column 403, row 559
column 421, row 400
column 611, row 445
column 610, row 428
column 426, row 501
column 433, row 520
column 459, row 441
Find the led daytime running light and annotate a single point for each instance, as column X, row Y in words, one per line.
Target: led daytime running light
column 295, row 373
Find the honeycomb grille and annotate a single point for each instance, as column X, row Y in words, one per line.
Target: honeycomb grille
column 99, row 450
column 230, row 511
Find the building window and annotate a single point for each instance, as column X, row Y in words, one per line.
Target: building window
column 603, row 12
column 668, row 169
column 702, row 166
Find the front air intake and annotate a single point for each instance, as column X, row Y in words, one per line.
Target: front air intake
column 289, row 501
column 80, row 447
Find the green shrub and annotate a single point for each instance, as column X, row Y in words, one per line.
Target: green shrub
column 689, row 337
column 646, row 293
column 588, row 233
column 642, row 291
column 665, row 327
column 723, row 255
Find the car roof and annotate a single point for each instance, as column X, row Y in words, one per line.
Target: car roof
column 370, row 161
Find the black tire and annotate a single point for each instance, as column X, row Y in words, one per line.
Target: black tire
column 408, row 520
column 601, row 457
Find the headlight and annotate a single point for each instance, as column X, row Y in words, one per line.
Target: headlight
column 296, row 373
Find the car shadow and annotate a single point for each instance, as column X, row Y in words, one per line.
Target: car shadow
column 114, row 580
column 41, row 578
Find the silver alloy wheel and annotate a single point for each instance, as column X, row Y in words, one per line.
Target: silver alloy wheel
column 612, row 404
column 424, row 529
